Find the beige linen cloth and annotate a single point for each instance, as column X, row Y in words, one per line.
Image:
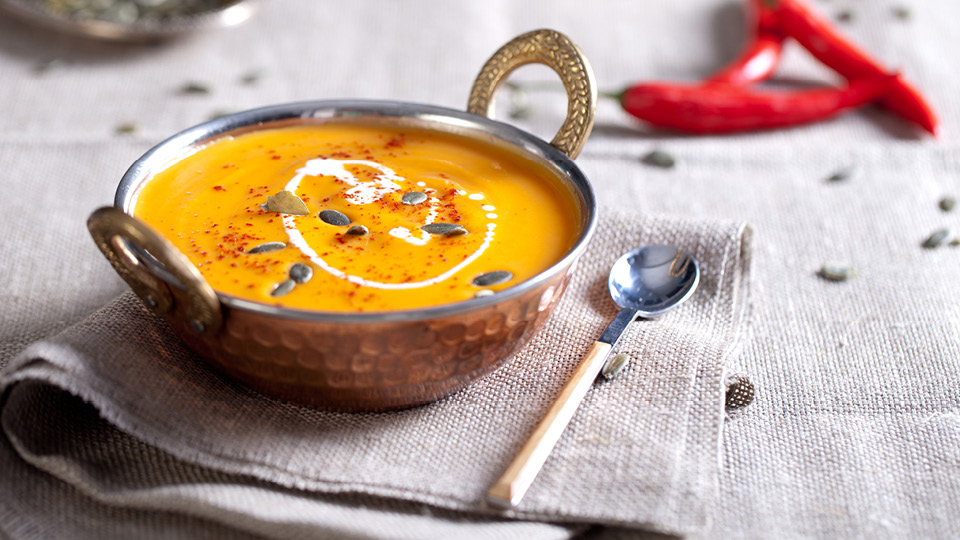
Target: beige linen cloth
column 146, row 434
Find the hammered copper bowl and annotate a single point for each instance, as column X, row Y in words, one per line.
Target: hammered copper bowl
column 361, row 361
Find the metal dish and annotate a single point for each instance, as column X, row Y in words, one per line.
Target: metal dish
column 119, row 28
column 362, row 361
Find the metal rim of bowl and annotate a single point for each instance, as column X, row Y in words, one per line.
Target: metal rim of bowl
column 455, row 121
column 230, row 14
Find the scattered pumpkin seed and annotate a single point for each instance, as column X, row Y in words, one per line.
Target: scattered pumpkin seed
column 937, row 238
column 614, row 365
column 413, row 197
column 832, row 271
column 195, row 87
column 445, row 229
column 947, row 204
column 901, row 13
column 219, row 114
column 954, row 242
column 285, row 202
column 283, row 288
column 844, row 174
column 252, row 77
column 126, row 128
column 659, row 158
column 740, row 393
column 492, row 278
column 50, row 65
column 483, row 293
column 335, row 218
column 301, row 273
column 845, row 16
column 266, row 248
column 357, row 230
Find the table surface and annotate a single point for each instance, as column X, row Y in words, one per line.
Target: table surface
column 855, row 430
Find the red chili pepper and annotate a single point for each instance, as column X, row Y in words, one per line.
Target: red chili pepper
column 726, row 108
column 816, row 34
column 759, row 59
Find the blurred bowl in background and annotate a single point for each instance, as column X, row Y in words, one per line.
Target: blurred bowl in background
column 130, row 20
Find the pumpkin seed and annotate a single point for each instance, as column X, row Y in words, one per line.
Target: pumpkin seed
column 301, row 273
column 901, row 13
column 357, row 230
column 845, row 16
column 937, row 238
column 614, row 365
column 50, row 65
column 492, row 278
column 285, row 202
column 843, row 174
column 266, row 248
column 252, row 77
column 335, row 218
column 832, row 271
column 445, row 229
column 413, row 197
column 955, row 242
column 483, row 293
column 283, row 288
column 947, row 204
column 194, row 87
column 126, row 128
column 659, row 158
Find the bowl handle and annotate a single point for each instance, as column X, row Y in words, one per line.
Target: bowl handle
column 120, row 237
column 555, row 50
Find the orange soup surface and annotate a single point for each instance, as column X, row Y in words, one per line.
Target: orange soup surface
column 356, row 217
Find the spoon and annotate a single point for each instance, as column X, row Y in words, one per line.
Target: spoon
column 645, row 282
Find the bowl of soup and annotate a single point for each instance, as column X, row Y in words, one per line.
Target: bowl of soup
column 360, row 255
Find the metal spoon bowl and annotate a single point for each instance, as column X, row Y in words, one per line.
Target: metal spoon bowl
column 647, row 281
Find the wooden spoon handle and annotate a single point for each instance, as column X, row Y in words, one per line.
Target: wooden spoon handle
column 510, row 488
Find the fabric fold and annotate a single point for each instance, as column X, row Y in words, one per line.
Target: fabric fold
column 640, row 453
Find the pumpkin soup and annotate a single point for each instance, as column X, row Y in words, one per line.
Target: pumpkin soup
column 358, row 217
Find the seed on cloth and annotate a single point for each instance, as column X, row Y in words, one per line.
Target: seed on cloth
column 126, row 128
column 301, row 273
column 283, row 288
column 357, row 230
column 659, row 158
column 846, row 173
column 492, row 278
column 947, row 204
column 266, row 248
column 740, row 393
column 413, row 197
column 832, row 271
column 937, row 238
column 285, row 202
column 614, row 365
column 195, row 87
column 333, row 217
column 445, row 229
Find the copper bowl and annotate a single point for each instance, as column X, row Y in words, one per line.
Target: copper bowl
column 362, row 361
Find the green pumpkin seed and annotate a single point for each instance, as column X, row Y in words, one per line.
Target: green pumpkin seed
column 901, row 13
column 844, row 174
column 445, row 229
column 335, row 218
column 614, row 365
column 126, row 128
column 50, row 65
column 937, row 238
column 266, row 248
column 492, row 278
column 832, row 271
column 301, row 273
column 413, row 197
column 285, row 202
column 659, row 158
column 252, row 77
column 283, row 288
column 357, row 230
column 196, row 88
column 947, row 204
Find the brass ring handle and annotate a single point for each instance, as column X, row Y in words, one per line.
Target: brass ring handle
column 112, row 229
column 560, row 54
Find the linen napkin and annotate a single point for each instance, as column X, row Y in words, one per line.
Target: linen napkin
column 119, row 409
